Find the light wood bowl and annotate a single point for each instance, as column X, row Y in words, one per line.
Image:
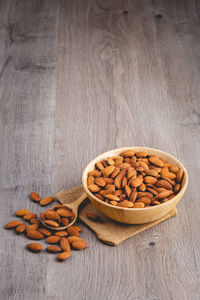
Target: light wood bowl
column 135, row 215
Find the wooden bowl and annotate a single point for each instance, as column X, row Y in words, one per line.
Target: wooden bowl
column 135, row 215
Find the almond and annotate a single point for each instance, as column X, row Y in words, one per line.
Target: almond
column 174, row 169
column 32, row 227
column 94, row 173
column 73, row 231
column 42, row 216
column 144, row 165
column 110, row 161
column 152, row 173
column 21, row 228
column 118, row 161
column 79, row 245
column 64, row 255
column 145, row 200
column 112, row 197
column 126, row 204
column 179, row 176
column 72, row 239
column 22, row 212
column 108, row 171
column 124, row 166
column 113, row 202
column 177, row 188
column 164, row 184
column 44, row 231
column 144, row 194
column 108, row 180
column 115, row 172
column 64, row 213
column 127, row 153
column 46, row 201
column 137, row 181
column 138, row 205
column 154, row 202
column 51, row 223
column 99, row 166
column 53, row 249
column 12, row 224
column 141, row 154
column 100, row 181
column 164, row 194
column 35, row 197
column 90, row 180
column 133, row 196
column 92, row 216
column 124, row 182
column 53, row 239
column 52, row 215
column 131, row 173
column 150, row 179
column 35, row 221
column 156, row 161
column 64, row 244
column 127, row 191
column 28, row 217
column 94, row 188
column 61, row 233
column 34, row 247
column 34, row 235
column 79, row 229
column 65, row 221
column 142, row 187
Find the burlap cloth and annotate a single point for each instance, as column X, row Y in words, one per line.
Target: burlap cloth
column 107, row 231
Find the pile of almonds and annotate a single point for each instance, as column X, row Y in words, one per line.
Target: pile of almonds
column 59, row 241
column 134, row 180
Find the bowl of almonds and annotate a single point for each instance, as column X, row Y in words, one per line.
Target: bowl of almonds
column 135, row 185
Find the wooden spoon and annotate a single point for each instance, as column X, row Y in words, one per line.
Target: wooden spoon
column 74, row 206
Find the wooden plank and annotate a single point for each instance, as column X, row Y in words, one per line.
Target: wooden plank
column 78, row 78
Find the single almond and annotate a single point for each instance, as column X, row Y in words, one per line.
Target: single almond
column 34, row 247
column 46, row 201
column 118, row 161
column 32, row 227
column 127, row 191
column 21, row 228
column 115, row 172
column 53, row 248
column 108, row 180
column 94, row 188
column 110, row 161
column 34, row 235
column 164, row 194
column 73, row 231
column 127, row 153
column 51, row 223
column 138, row 205
column 131, row 173
column 64, row 244
column 156, row 161
column 124, row 182
column 177, row 188
column 43, row 216
column 92, row 216
column 133, row 196
column 52, row 215
column 154, row 202
column 124, row 166
column 145, row 200
column 12, row 224
column 152, row 173
column 65, row 221
column 99, row 166
column 141, row 154
column 164, row 184
column 108, row 171
column 61, row 233
column 79, row 245
column 150, row 179
column 90, row 180
column 142, row 187
column 44, row 231
column 72, row 239
column 100, row 181
column 35, row 221
column 53, row 239
column 126, row 204
column 179, row 176
column 64, row 213
column 144, row 194
column 173, row 169
column 35, row 197
column 22, row 212
column 63, row 256
column 112, row 197
column 94, row 173
column 137, row 182
column 28, row 217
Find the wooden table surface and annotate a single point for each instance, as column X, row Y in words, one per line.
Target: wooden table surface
column 78, row 78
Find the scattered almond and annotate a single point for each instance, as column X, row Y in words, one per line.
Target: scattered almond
column 35, row 197
column 34, row 247
column 46, row 201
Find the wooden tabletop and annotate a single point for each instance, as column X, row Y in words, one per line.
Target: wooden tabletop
column 78, row 78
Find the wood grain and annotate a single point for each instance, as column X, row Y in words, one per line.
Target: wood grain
column 78, row 78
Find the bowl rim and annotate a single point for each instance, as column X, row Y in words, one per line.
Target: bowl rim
column 182, row 190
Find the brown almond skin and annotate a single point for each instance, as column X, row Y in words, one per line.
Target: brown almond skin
column 90, row 180
column 63, row 256
column 32, row 227
column 44, row 231
column 43, row 216
column 108, row 171
column 22, row 212
column 179, row 176
column 99, row 166
column 164, row 184
column 35, row 221
column 35, row 235
column 177, row 188
column 52, row 215
column 12, row 224
column 34, row 247
column 73, row 231
column 35, row 197
column 141, row 154
column 127, row 153
column 51, row 223
column 53, row 239
column 100, row 181
column 61, row 233
column 20, row 228
column 72, row 239
column 53, row 249
column 137, row 182
column 150, row 179
column 94, row 188
column 46, row 201
column 64, row 213
column 145, row 200
column 64, row 244
column 156, row 161
column 138, row 205
column 92, row 216
column 28, row 217
column 126, row 204
column 79, row 245
column 65, row 221
column 164, row 194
